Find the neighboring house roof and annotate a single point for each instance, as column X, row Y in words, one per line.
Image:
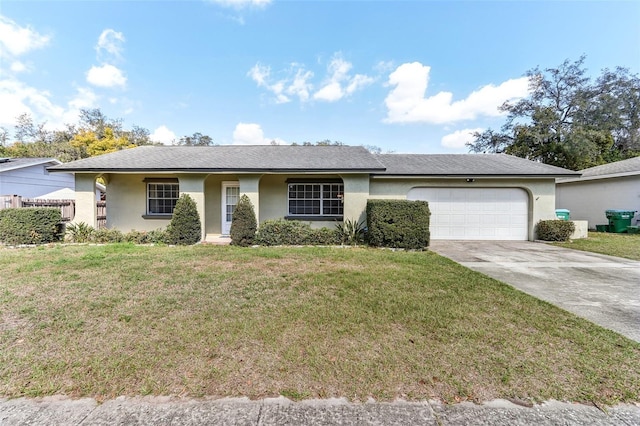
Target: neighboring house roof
column 7, row 164
column 467, row 165
column 67, row 193
column 230, row 158
column 629, row 167
column 60, row 194
column 287, row 158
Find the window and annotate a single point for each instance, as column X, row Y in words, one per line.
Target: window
column 162, row 197
column 316, row 199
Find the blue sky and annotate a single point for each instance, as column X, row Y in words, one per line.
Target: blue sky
column 406, row 76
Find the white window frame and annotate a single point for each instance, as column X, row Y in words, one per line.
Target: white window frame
column 338, row 201
column 149, row 198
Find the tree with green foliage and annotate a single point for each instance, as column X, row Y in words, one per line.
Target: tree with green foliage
column 243, row 223
column 569, row 121
column 94, row 134
column 185, row 227
column 197, row 139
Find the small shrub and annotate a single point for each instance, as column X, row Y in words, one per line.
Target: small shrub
column 78, row 232
column 185, row 226
column 398, row 223
column 293, row 232
column 324, row 237
column 555, row 230
column 243, row 223
column 351, row 232
column 156, row 236
column 30, row 225
column 105, row 235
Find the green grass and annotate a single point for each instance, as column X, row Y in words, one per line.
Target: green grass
column 621, row 245
column 104, row 321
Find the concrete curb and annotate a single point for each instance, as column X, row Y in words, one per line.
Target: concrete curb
column 64, row 411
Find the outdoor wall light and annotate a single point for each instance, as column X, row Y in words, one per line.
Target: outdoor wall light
column 470, row 180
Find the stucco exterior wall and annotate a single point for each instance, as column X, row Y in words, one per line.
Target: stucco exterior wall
column 541, row 192
column 588, row 200
column 127, row 203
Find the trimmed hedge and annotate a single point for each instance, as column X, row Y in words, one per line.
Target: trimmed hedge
column 398, row 223
column 30, row 225
column 185, row 226
column 293, row 232
column 555, row 230
column 243, row 223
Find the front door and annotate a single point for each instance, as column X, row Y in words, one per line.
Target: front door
column 230, row 196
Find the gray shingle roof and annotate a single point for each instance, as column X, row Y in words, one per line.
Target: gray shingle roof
column 231, row 158
column 467, row 165
column 287, row 158
column 631, row 166
column 18, row 163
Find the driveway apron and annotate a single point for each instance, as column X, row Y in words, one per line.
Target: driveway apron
column 602, row 289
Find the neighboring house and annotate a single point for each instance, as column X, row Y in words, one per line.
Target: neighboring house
column 613, row 186
column 471, row 196
column 29, row 177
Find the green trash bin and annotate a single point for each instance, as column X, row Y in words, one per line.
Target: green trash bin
column 619, row 219
column 562, row 214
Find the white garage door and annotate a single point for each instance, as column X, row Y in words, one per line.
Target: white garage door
column 475, row 213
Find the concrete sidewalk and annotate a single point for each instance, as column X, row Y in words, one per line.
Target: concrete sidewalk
column 281, row 411
column 600, row 288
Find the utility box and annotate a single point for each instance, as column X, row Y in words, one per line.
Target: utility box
column 562, row 214
column 619, row 220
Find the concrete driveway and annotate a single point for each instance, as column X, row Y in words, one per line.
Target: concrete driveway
column 602, row 289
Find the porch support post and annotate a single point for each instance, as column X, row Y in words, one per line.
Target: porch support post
column 250, row 185
column 356, row 193
column 86, row 210
column 193, row 185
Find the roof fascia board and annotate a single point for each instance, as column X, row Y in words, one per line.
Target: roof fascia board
column 36, row 163
column 219, row 171
column 474, row 176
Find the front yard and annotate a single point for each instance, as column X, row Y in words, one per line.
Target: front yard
column 112, row 320
column 620, row 245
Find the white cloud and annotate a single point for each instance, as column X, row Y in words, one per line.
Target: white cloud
column 296, row 81
column 252, row 134
column 163, row 135
column 18, row 67
column 406, row 103
column 106, row 76
column 84, row 98
column 459, row 138
column 17, row 98
column 295, row 84
column 17, row 40
column 339, row 83
column 300, row 86
column 110, row 42
column 239, row 4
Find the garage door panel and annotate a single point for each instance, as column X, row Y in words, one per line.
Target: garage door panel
column 476, row 213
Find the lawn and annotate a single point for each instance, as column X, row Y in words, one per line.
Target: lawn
column 621, row 245
column 111, row 320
